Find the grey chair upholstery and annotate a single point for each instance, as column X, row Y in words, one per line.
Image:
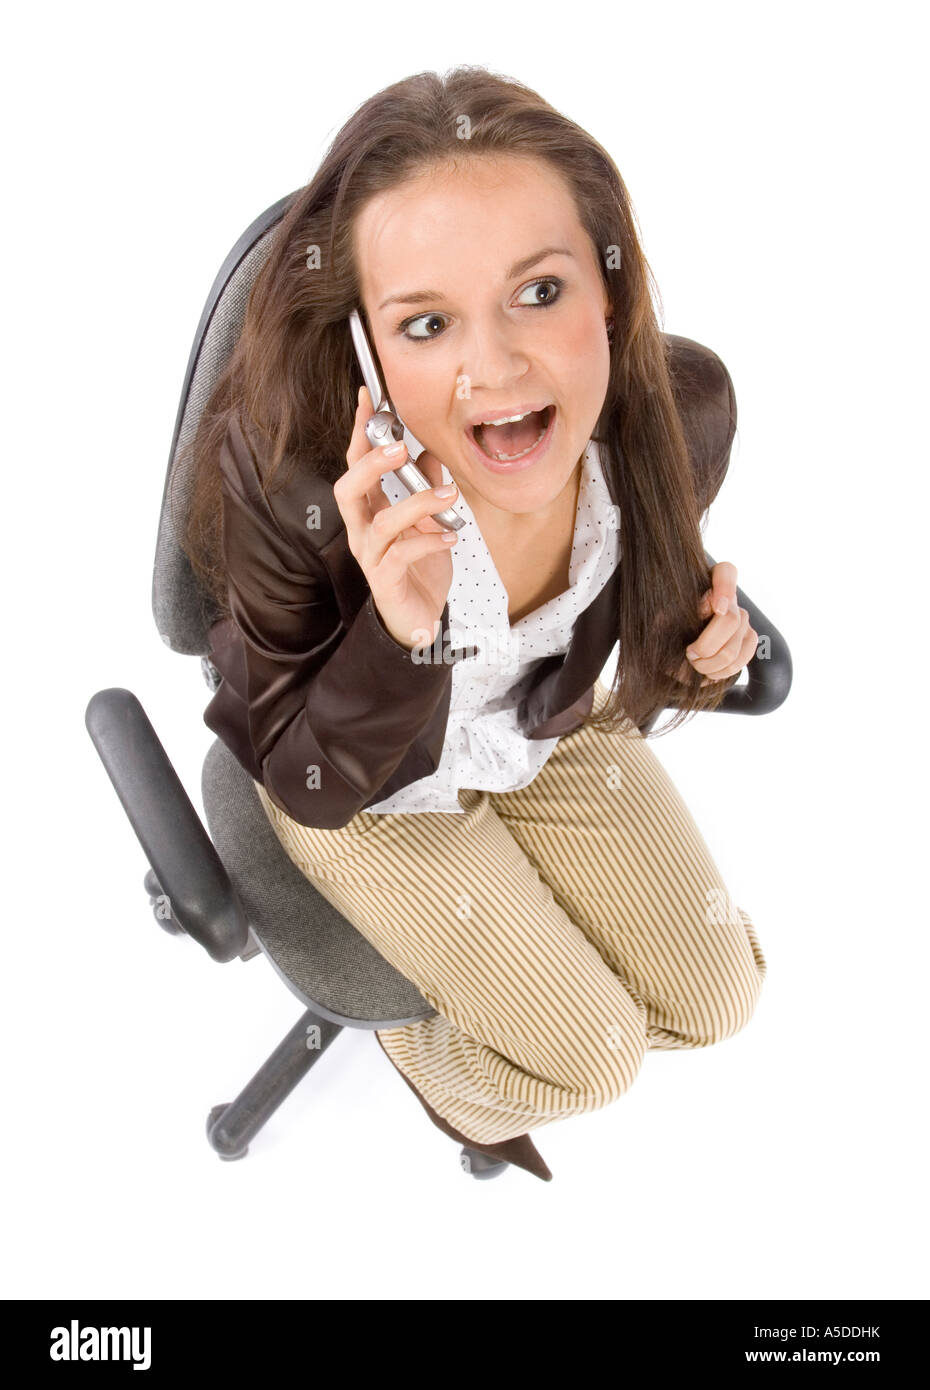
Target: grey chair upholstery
column 320, row 956
column 236, row 891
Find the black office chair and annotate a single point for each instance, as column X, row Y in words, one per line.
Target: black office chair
column 235, row 891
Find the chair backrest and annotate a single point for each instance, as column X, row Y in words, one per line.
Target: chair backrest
column 183, row 610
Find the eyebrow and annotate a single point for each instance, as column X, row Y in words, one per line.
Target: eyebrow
column 432, row 296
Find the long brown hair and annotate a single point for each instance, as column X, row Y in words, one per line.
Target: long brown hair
column 294, row 375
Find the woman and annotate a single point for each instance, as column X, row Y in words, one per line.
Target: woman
column 487, row 813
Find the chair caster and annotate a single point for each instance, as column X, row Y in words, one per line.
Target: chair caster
column 215, row 1139
column 480, row 1165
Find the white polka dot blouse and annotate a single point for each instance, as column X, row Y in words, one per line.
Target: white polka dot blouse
column 485, row 746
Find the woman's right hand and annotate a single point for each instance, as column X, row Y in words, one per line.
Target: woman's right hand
column 398, row 546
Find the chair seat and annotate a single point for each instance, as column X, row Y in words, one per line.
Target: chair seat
column 319, row 954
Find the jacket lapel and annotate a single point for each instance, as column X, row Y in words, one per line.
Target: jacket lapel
column 564, row 689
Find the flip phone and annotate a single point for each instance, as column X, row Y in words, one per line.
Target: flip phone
column 385, row 426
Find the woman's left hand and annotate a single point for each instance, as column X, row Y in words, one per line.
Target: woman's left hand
column 727, row 642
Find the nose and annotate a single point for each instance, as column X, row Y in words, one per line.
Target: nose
column 493, row 357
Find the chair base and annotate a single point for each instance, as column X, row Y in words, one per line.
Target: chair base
column 230, row 1127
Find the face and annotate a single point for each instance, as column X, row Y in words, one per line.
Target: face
column 480, row 325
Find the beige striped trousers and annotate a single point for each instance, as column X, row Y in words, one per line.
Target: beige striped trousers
column 559, row 931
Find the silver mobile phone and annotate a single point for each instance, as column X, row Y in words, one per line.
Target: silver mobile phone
column 385, row 425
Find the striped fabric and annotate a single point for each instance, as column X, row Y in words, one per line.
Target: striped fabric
column 559, row 931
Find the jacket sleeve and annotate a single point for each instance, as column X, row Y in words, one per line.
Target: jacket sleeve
column 320, row 713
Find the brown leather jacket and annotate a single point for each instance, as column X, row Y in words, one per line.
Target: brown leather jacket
column 317, row 701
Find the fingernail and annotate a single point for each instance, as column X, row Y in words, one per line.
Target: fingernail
column 692, row 655
column 445, row 491
column 723, row 605
column 392, row 450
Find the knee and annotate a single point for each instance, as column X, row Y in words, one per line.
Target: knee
column 734, row 1004
column 729, row 997
column 609, row 1062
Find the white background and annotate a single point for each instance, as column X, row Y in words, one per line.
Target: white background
column 775, row 158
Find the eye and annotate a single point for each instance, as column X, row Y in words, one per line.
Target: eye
column 418, row 337
column 425, row 319
column 544, row 303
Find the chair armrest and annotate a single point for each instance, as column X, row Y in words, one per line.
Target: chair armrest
column 176, row 844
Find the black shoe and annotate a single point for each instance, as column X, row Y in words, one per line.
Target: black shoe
column 521, row 1151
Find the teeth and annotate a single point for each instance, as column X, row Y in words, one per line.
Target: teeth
column 511, row 419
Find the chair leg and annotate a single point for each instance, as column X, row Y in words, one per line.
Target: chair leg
column 521, row 1151
column 230, row 1127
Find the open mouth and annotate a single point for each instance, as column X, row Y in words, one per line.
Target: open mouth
column 509, row 442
